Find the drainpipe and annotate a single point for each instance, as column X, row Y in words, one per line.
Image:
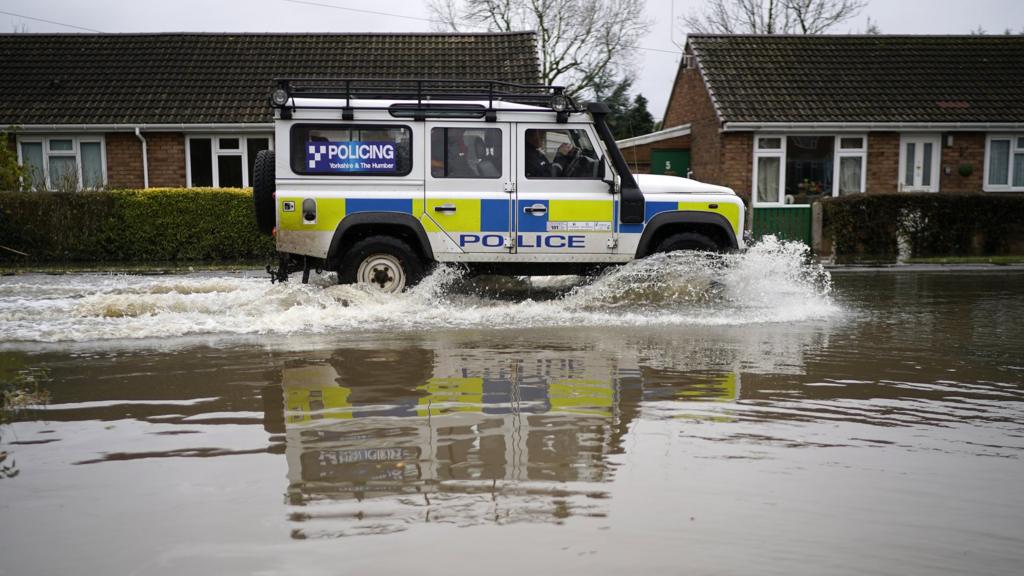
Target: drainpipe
column 145, row 158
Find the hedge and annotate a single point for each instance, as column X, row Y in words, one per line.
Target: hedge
column 196, row 224
column 873, row 225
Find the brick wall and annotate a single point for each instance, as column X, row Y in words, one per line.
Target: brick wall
column 639, row 157
column 883, row 163
column 967, row 148
column 737, row 161
column 124, row 160
column 166, row 154
column 691, row 104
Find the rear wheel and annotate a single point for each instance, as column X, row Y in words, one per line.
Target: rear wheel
column 688, row 241
column 384, row 263
column 263, row 188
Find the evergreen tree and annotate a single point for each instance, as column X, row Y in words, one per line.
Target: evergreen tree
column 618, row 106
column 627, row 118
column 638, row 119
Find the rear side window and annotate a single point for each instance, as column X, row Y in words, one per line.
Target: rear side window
column 351, row 150
column 465, row 152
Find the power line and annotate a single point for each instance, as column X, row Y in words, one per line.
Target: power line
column 51, row 22
column 362, row 11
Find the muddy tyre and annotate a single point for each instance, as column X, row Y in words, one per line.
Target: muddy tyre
column 263, row 187
column 688, row 241
column 384, row 263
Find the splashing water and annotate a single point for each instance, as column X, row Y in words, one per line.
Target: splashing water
column 771, row 282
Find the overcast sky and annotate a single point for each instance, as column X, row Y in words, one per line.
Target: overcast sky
column 657, row 57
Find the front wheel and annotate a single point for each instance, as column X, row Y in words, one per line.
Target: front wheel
column 688, row 241
column 383, row 263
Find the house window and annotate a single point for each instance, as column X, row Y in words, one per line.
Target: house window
column 224, row 161
column 63, row 162
column 851, row 155
column 797, row 169
column 1004, row 166
column 769, row 153
column 809, row 167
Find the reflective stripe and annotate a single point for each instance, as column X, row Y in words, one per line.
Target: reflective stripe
column 329, row 212
column 465, row 217
column 652, row 209
column 581, row 211
column 301, row 404
column 356, row 205
column 475, row 215
column 730, row 211
column 446, row 395
column 494, row 216
column 533, row 222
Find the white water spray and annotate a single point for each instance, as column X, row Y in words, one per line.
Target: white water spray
column 771, row 282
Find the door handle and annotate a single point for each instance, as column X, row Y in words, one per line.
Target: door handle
column 536, row 210
column 445, row 208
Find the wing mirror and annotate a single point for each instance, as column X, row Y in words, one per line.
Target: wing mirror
column 614, row 183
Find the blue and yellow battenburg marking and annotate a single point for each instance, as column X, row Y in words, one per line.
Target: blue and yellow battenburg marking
column 306, row 402
column 564, row 223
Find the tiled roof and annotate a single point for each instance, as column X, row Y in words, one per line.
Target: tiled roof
column 863, row 78
column 224, row 78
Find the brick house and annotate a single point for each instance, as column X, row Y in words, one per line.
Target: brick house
column 788, row 119
column 663, row 152
column 190, row 110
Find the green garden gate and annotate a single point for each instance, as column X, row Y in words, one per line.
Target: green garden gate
column 670, row 161
column 791, row 222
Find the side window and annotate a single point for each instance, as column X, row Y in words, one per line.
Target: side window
column 561, row 153
column 351, row 150
column 465, row 152
column 223, row 161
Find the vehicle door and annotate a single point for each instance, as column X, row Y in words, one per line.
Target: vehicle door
column 469, row 184
column 562, row 204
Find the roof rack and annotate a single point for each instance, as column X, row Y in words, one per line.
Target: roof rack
column 423, row 91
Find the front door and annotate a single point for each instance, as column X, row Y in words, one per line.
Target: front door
column 919, row 163
column 562, row 204
column 469, row 184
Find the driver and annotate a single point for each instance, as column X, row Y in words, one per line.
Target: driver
column 537, row 164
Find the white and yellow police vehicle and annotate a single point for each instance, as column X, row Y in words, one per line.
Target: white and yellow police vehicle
column 380, row 180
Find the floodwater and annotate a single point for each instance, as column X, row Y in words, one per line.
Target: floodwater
column 675, row 416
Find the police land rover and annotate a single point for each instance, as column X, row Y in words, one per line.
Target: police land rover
column 379, row 181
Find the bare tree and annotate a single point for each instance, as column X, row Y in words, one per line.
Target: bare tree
column 585, row 45
column 771, row 16
column 872, row 28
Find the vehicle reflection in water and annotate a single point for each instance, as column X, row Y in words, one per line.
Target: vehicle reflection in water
column 377, row 440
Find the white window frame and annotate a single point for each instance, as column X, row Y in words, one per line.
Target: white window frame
column 840, row 153
column 779, row 153
column 782, row 151
column 936, row 175
column 1014, row 149
column 76, row 152
column 215, row 152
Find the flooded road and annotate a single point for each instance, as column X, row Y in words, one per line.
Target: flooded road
column 671, row 417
